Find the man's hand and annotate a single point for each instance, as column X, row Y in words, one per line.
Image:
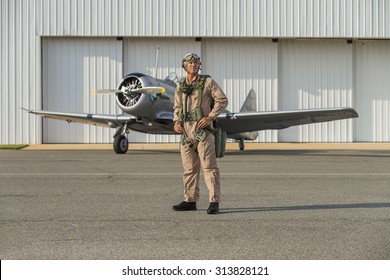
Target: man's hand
column 177, row 128
column 204, row 122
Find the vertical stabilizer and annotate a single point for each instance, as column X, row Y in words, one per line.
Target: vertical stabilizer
column 249, row 103
column 248, row 106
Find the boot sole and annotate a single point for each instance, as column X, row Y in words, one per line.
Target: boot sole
column 184, row 209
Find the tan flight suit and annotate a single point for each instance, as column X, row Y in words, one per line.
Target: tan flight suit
column 205, row 155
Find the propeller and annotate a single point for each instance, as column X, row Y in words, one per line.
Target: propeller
column 144, row 90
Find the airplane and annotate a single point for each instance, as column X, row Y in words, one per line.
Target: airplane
column 147, row 106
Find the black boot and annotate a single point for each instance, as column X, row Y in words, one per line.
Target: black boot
column 213, row 208
column 185, row 206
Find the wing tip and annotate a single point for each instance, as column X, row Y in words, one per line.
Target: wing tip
column 352, row 111
column 27, row 110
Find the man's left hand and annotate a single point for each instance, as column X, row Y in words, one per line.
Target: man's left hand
column 205, row 121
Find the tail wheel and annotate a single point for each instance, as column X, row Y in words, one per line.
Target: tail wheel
column 241, row 144
column 121, row 144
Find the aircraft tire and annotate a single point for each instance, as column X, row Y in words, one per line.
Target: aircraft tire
column 121, row 144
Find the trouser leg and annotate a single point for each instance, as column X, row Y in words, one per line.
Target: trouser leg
column 206, row 150
column 191, row 166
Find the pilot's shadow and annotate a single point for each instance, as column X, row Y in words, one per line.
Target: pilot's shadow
column 306, row 207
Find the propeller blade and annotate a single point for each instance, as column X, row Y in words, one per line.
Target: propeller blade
column 149, row 90
column 145, row 90
column 106, row 91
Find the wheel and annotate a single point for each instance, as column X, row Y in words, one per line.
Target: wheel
column 121, row 144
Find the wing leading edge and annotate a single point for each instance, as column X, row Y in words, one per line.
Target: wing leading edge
column 158, row 126
column 254, row 121
column 112, row 121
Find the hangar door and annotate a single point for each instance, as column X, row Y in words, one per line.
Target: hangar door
column 156, row 57
column 316, row 74
column 372, row 91
column 239, row 65
column 72, row 68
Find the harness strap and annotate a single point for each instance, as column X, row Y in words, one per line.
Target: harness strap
column 181, row 92
column 195, row 115
column 201, row 134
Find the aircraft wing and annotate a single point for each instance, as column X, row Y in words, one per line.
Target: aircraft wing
column 254, row 121
column 92, row 119
column 230, row 122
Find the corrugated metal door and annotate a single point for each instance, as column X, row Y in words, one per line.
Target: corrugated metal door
column 239, row 65
column 372, row 91
column 72, row 68
column 144, row 54
column 316, row 74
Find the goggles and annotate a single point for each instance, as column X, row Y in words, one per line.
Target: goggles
column 190, row 56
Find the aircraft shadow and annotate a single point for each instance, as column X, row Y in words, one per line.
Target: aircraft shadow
column 306, row 207
column 338, row 153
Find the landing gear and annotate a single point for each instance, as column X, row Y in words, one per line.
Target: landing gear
column 241, row 144
column 121, row 144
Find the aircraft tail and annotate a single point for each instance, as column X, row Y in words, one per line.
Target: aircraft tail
column 249, row 103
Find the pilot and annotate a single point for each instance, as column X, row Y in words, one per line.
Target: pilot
column 198, row 102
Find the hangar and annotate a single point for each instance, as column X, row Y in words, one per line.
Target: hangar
column 294, row 54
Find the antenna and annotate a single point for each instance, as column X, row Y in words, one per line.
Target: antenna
column 157, row 58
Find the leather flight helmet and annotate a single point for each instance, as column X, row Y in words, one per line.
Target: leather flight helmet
column 188, row 57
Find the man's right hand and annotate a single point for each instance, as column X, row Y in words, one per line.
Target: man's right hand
column 177, row 128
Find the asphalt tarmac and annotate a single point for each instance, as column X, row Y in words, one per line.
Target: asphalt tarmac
column 301, row 204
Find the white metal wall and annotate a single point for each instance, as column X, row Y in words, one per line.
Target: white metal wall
column 72, row 68
column 259, row 18
column 239, row 65
column 24, row 22
column 373, row 91
column 140, row 56
column 20, row 73
column 317, row 74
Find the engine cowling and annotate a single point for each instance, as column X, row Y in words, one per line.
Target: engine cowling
column 128, row 99
column 142, row 105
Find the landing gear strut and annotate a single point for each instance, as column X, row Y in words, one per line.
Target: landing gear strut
column 121, row 144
